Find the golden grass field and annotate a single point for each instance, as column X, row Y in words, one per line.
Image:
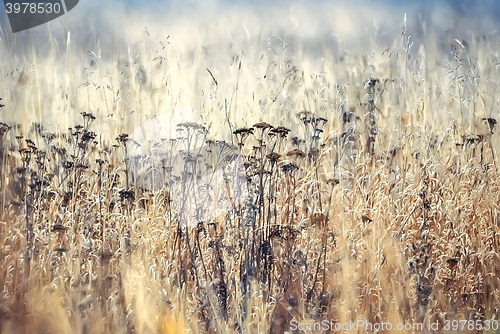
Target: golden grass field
column 368, row 188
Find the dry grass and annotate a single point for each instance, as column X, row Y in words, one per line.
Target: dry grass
column 370, row 183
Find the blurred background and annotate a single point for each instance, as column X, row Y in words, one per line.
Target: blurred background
column 344, row 23
column 97, row 40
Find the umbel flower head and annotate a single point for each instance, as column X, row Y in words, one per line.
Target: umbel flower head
column 203, row 176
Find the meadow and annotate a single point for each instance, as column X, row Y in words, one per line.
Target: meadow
column 292, row 176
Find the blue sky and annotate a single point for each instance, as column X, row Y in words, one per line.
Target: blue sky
column 103, row 17
column 480, row 8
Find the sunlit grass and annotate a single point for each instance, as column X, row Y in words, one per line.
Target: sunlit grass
column 367, row 189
